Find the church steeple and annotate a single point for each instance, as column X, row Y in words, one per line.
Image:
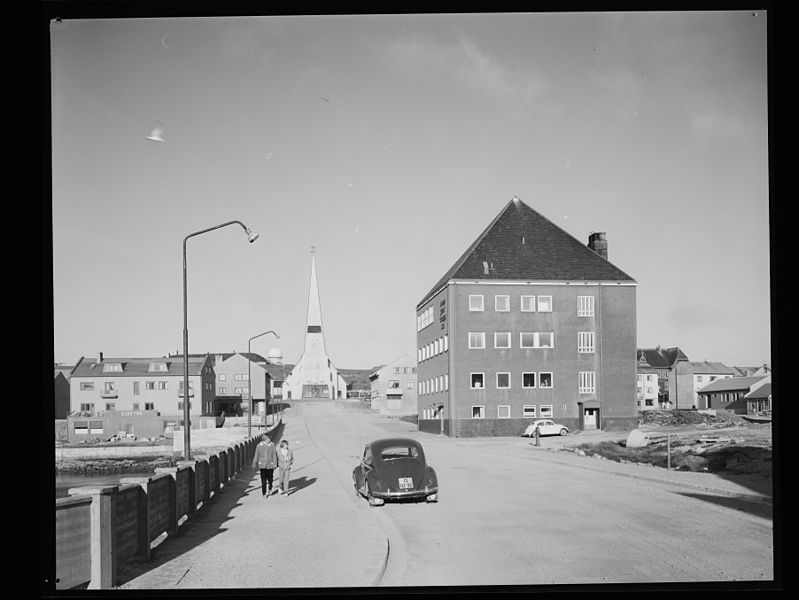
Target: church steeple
column 313, row 320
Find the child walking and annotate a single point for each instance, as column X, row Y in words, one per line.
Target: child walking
column 285, row 458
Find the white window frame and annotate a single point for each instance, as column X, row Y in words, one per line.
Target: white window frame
column 545, row 411
column 507, row 303
column 536, row 339
column 551, row 380
column 587, row 382
column 585, row 342
column 86, row 386
column 535, row 380
column 446, row 381
column 446, row 342
column 471, row 380
column 546, row 308
column 163, row 385
column 507, row 335
column 473, row 308
column 149, row 406
column 585, row 306
column 482, row 338
column 506, row 411
column 481, row 410
column 527, row 409
column 530, row 306
column 496, row 380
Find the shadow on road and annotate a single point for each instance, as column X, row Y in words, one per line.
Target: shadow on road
column 207, row 523
column 295, row 485
column 752, row 507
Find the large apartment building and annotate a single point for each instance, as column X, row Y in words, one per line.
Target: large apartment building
column 528, row 323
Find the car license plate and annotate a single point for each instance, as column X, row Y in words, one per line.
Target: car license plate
column 405, row 483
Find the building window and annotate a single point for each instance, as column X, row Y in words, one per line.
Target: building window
column 180, row 405
column 150, row 385
column 475, row 302
column 393, row 384
column 585, row 306
column 162, row 385
column 222, row 377
column 502, row 339
column 545, row 304
column 587, row 385
column 87, row 386
column 158, row 366
column 528, row 411
column 222, row 391
column 478, row 412
column 501, row 303
column 477, row 381
column 135, row 406
column 89, row 407
column 424, row 319
column 109, row 387
column 135, row 389
column 446, row 381
column 410, row 384
column 545, row 381
column 446, row 343
column 528, row 380
column 545, row 411
column 536, row 339
column 112, row 368
column 503, row 411
column 528, row 303
column 477, row 339
column 503, row 381
column 585, row 341
column 110, row 405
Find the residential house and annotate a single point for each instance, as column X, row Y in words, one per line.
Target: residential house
column 662, row 360
column 759, row 400
column 239, row 374
column 155, row 384
column 727, row 394
column 528, row 323
column 761, row 371
column 688, row 377
column 357, row 380
column 647, row 389
column 393, row 387
column 62, row 374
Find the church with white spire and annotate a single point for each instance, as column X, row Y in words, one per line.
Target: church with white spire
column 314, row 376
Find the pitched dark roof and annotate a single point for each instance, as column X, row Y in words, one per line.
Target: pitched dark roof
column 764, row 391
column 523, row 244
column 139, row 367
column 661, row 358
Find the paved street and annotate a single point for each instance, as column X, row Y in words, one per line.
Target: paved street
column 509, row 513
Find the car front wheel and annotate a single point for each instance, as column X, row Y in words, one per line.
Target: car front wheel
column 563, row 432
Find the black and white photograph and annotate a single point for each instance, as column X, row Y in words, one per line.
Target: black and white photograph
column 429, row 302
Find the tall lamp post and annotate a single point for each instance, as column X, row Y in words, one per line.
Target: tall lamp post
column 249, row 380
column 186, row 423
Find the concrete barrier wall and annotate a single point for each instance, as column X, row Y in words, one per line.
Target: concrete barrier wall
column 102, row 452
column 100, row 528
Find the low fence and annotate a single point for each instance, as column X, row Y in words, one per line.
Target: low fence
column 100, row 528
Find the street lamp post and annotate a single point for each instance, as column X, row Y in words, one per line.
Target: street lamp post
column 186, row 423
column 249, row 380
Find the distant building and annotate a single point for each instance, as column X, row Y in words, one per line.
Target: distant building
column 647, row 389
column 393, row 387
column 142, row 384
column 62, row 373
column 761, row 371
column 314, row 375
column 528, row 323
column 662, row 360
column 727, row 393
column 687, row 378
column 232, row 386
column 759, row 399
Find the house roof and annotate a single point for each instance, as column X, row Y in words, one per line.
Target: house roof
column 764, row 391
column 660, row 358
column 728, row 384
column 139, row 367
column 520, row 243
column 701, row 368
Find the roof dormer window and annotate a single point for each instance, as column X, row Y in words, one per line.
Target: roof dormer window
column 158, row 366
column 112, row 368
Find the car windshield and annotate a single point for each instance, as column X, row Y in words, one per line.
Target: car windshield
column 392, row 452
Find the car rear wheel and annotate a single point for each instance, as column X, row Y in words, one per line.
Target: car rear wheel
column 563, row 432
column 372, row 500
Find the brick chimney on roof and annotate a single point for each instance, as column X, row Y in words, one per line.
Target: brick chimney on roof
column 598, row 243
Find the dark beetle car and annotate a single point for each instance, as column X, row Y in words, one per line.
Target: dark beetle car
column 394, row 469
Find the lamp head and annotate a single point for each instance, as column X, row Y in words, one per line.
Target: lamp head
column 250, row 235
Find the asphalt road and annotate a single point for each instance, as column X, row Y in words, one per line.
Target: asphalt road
column 513, row 514
column 509, row 513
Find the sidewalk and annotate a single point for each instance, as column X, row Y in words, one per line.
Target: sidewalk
column 243, row 540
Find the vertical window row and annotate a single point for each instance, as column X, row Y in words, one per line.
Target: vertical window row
column 433, row 348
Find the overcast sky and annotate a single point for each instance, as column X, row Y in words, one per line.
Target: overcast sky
column 389, row 143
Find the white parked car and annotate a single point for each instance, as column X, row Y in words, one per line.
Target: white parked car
column 545, row 427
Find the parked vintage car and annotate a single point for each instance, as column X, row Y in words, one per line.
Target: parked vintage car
column 394, row 469
column 545, row 427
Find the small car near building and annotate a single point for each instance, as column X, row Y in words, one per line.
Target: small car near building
column 545, row 427
column 394, row 469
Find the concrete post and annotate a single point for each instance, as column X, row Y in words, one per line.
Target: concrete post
column 175, row 512
column 191, row 465
column 102, row 536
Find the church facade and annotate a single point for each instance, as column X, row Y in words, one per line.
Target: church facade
column 314, row 376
